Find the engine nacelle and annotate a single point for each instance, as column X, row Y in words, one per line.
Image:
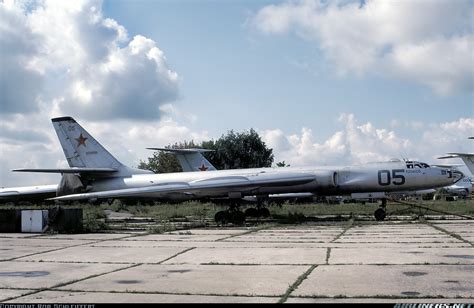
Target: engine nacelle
column 70, row 184
column 326, row 179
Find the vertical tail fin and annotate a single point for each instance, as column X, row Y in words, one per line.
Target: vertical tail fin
column 80, row 148
column 190, row 159
column 468, row 159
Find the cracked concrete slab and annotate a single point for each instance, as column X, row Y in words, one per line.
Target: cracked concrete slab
column 46, row 275
column 10, row 252
column 40, row 242
column 228, row 232
column 179, row 237
column 244, row 280
column 251, row 256
column 102, row 297
column 107, row 255
column 413, row 239
column 389, row 281
column 401, row 256
column 18, row 235
column 281, row 239
column 219, row 244
column 87, row 236
column 11, row 293
column 217, row 270
column 331, row 300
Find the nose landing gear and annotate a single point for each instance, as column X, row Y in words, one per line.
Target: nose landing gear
column 381, row 212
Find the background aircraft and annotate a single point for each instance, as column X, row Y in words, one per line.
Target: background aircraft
column 464, row 186
column 96, row 174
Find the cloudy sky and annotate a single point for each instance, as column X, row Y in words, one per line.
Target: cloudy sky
column 323, row 82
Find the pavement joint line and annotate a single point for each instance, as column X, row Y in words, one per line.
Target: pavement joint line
column 92, row 242
column 245, row 233
column 179, row 253
column 328, row 255
column 296, row 284
column 351, row 224
column 452, row 234
column 67, row 283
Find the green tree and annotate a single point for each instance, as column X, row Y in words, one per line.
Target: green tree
column 231, row 151
column 239, row 150
column 282, row 164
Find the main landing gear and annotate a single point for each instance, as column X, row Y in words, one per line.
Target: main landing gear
column 381, row 212
column 235, row 216
column 232, row 215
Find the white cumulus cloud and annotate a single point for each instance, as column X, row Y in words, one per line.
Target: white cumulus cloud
column 67, row 54
column 423, row 41
column 357, row 143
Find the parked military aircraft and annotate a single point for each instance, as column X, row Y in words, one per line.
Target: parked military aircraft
column 464, row 186
column 468, row 159
column 95, row 174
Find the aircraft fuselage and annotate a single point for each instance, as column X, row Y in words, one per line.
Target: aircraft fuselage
column 372, row 177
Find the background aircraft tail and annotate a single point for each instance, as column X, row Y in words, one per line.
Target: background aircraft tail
column 190, row 159
column 468, row 159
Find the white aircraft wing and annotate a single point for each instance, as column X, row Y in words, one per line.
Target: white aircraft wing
column 27, row 192
column 227, row 184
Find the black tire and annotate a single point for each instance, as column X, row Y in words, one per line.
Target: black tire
column 263, row 212
column 221, row 217
column 237, row 218
column 380, row 214
column 251, row 212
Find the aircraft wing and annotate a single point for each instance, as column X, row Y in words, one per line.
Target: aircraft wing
column 27, row 192
column 221, row 184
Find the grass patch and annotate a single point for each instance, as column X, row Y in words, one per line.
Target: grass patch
column 463, row 207
column 200, row 213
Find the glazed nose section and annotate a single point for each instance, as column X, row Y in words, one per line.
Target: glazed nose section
column 456, row 175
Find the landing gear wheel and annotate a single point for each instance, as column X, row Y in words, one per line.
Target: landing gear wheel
column 263, row 212
column 221, row 217
column 237, row 218
column 251, row 212
column 380, row 214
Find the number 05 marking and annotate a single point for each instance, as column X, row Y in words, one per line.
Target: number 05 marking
column 385, row 177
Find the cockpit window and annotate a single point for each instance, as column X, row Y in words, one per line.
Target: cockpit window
column 416, row 164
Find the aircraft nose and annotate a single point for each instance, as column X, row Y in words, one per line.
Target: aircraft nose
column 456, row 175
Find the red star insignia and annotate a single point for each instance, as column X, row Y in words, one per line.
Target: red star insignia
column 203, row 168
column 81, row 140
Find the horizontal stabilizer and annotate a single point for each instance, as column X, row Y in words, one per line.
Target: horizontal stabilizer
column 190, row 159
column 69, row 170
